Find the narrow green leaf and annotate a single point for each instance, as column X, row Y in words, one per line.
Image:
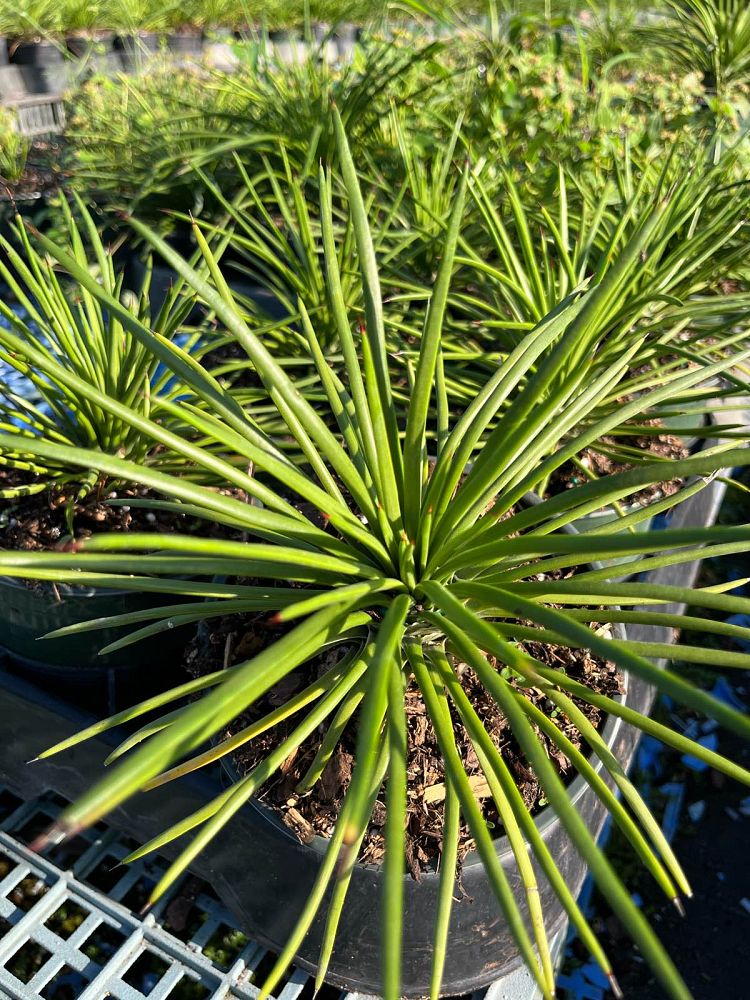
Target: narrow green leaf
column 429, row 349
column 395, row 837
column 448, row 861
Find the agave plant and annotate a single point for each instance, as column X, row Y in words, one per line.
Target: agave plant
column 57, row 338
column 290, row 103
column 118, row 131
column 146, row 142
column 712, row 36
column 424, row 562
column 519, row 264
column 273, row 237
column 589, row 216
column 272, row 231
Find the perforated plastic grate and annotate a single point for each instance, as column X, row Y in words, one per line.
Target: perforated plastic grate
column 69, row 928
column 39, row 116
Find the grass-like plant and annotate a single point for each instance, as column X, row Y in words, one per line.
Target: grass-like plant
column 128, row 138
column 523, row 261
column 272, row 235
column 425, row 562
column 709, row 36
column 43, row 16
column 608, row 29
column 14, row 149
column 697, row 240
column 59, row 338
column 164, row 137
column 290, row 102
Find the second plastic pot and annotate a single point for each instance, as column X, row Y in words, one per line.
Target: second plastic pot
column 71, row 665
column 39, row 52
column 136, row 50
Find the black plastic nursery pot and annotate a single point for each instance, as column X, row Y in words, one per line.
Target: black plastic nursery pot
column 346, row 37
column 27, row 206
column 163, row 279
column 185, row 43
column 84, row 45
column 324, row 43
column 41, row 66
column 285, row 35
column 40, row 52
column 95, row 53
column 337, row 42
column 142, row 41
column 481, row 949
column 288, row 45
column 72, row 665
column 136, row 50
column 33, row 208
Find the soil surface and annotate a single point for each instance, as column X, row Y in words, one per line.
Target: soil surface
column 230, row 364
column 611, row 457
column 45, row 521
column 230, row 641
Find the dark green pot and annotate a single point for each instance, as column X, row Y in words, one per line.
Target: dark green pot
column 71, row 664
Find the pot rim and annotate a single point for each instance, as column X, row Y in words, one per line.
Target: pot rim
column 65, row 588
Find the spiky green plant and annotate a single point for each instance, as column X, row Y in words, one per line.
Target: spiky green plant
column 273, row 232
column 528, row 259
column 421, row 566
column 161, row 139
column 290, row 101
column 14, row 149
column 710, row 36
column 540, row 254
column 59, row 339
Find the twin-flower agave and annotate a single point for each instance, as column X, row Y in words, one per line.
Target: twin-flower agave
column 427, row 558
column 52, row 342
